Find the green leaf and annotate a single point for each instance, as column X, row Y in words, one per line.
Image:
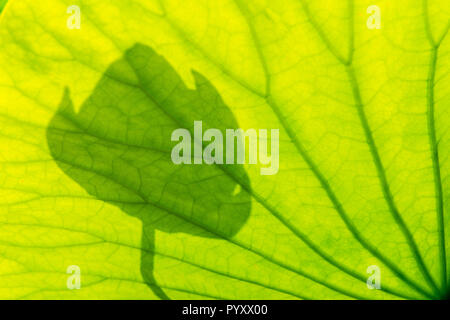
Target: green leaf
column 86, row 177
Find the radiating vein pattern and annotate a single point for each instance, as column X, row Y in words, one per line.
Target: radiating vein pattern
column 86, row 176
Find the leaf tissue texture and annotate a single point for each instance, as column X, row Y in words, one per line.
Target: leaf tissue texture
column 87, row 179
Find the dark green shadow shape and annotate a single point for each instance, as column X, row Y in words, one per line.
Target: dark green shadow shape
column 117, row 147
